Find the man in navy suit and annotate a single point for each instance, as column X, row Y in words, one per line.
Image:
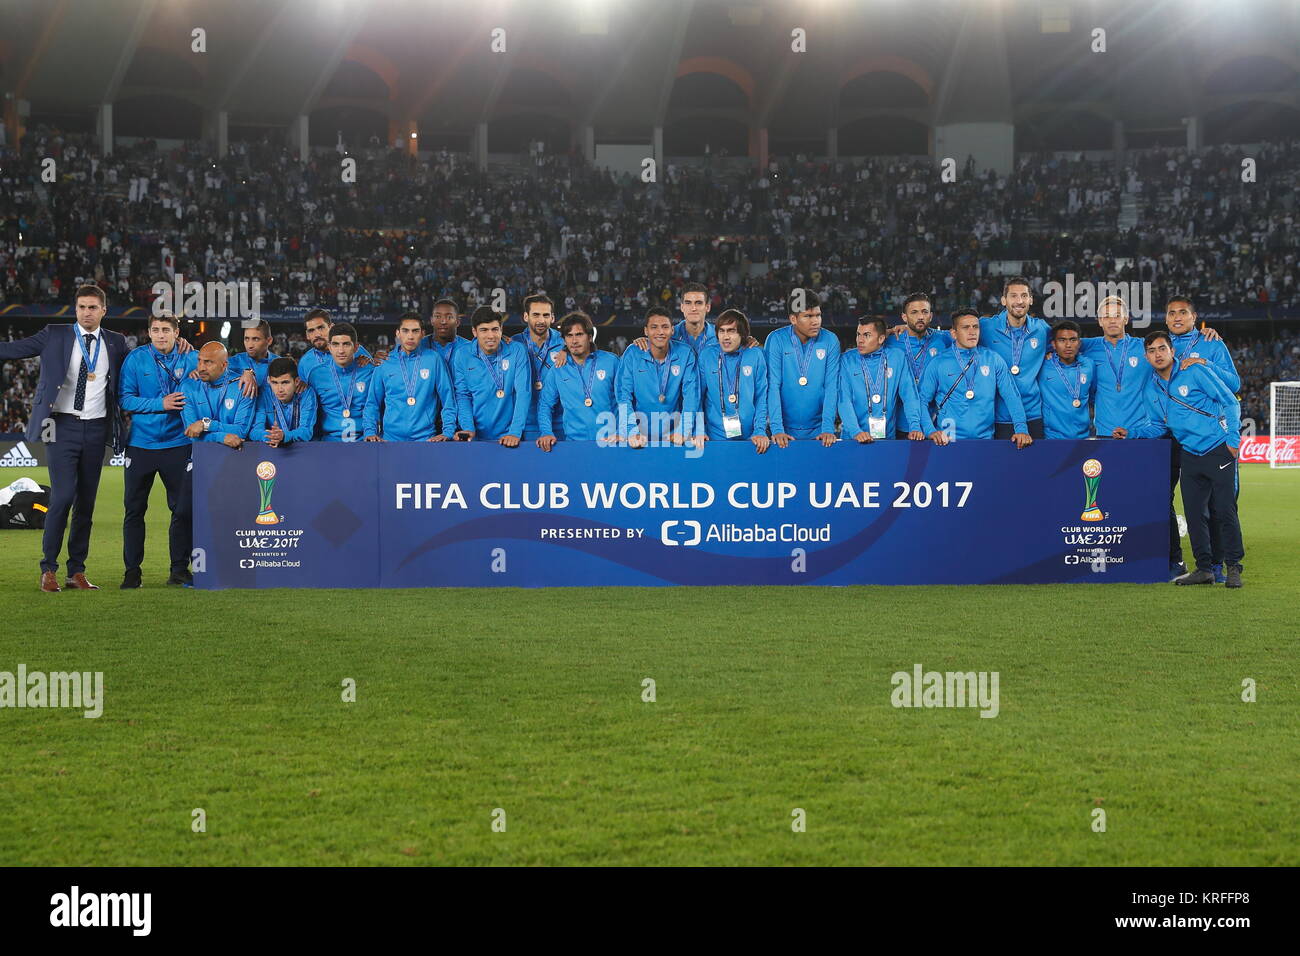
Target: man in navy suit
column 76, row 413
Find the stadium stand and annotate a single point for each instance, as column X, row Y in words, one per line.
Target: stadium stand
column 865, row 232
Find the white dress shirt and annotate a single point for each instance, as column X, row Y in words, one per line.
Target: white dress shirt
column 94, row 406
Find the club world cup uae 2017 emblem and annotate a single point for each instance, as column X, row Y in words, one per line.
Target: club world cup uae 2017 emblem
column 266, row 479
column 1091, row 479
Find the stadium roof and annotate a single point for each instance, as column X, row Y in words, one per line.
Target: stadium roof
column 884, row 71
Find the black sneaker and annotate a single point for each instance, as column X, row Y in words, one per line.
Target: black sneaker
column 1176, row 570
column 1199, row 576
column 1233, row 573
column 131, row 579
column 179, row 581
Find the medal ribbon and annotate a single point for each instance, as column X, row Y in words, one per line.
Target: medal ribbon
column 408, row 378
column 970, row 366
column 287, row 422
column 346, row 402
column 802, row 356
column 584, row 378
column 1118, row 371
column 1017, row 341
column 173, row 377
column 663, row 373
column 1070, row 383
column 917, row 363
column 86, row 358
column 537, row 357
column 1187, row 346
column 725, row 393
column 872, row 389
column 491, row 365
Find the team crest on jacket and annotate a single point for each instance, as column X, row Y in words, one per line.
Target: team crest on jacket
column 230, row 403
column 1083, row 378
column 1196, row 355
column 424, row 373
column 361, row 386
column 676, row 370
column 984, row 369
column 1133, row 361
column 1182, row 390
column 600, row 374
column 505, row 365
column 747, row 369
column 1033, row 343
column 821, row 354
column 933, row 352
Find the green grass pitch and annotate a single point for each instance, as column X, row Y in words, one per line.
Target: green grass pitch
column 1123, row 697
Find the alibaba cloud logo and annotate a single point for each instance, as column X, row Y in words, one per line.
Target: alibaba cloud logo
column 674, row 533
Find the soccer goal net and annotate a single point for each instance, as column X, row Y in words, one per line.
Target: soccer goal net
column 1284, row 425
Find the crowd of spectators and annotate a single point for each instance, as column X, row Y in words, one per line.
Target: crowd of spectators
column 409, row 229
column 1260, row 362
column 412, row 229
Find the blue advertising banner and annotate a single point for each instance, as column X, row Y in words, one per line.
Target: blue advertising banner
column 480, row 515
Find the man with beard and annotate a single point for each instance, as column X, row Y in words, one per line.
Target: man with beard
column 917, row 341
column 1021, row 341
column 877, row 397
column 317, row 327
column 541, row 341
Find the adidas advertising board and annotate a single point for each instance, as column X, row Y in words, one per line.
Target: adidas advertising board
column 31, row 454
column 18, row 455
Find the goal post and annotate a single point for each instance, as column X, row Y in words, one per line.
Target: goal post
column 1284, row 425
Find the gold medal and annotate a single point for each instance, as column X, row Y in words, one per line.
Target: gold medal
column 970, row 393
column 732, row 399
column 346, row 413
column 663, row 398
column 91, row 376
column 875, row 399
column 587, row 402
column 411, row 400
column 537, row 385
column 501, row 393
column 803, row 380
column 1077, row 403
column 1015, row 370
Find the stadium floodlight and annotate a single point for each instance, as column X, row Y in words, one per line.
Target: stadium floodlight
column 1284, row 425
column 593, row 17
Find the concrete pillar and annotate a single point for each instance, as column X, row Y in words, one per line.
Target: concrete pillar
column 657, row 150
column 298, row 138
column 1195, row 132
column 480, row 149
column 589, row 143
column 13, row 120
column 104, row 129
column 992, row 145
column 758, row 147
column 833, row 144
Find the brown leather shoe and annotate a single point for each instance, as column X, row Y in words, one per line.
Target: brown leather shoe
column 50, row 582
column 78, row 582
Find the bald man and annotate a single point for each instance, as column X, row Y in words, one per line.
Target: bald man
column 215, row 408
